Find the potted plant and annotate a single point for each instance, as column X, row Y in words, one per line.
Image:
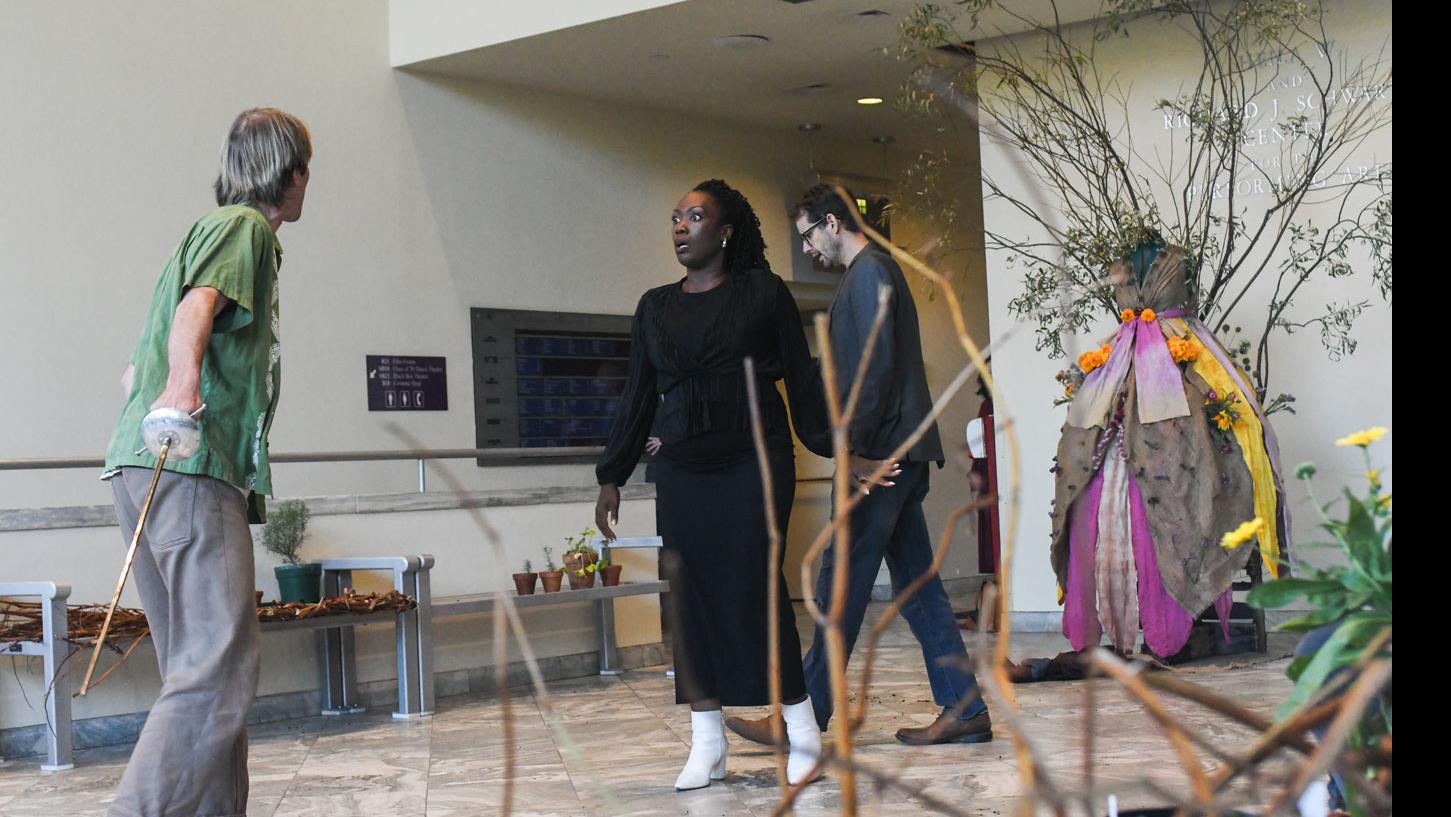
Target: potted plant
column 580, row 560
column 1348, row 626
column 551, row 576
column 608, row 570
column 283, row 535
column 524, row 582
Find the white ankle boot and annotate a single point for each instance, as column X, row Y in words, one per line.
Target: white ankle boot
column 805, row 738
column 707, row 751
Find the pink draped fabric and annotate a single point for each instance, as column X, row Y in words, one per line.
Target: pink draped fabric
column 1166, row 624
column 1159, row 383
column 1080, row 612
column 1222, row 606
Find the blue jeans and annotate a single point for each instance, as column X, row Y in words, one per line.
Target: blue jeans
column 889, row 524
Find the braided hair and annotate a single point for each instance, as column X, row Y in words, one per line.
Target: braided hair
column 746, row 249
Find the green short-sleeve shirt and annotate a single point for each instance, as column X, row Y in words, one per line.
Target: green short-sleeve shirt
column 234, row 251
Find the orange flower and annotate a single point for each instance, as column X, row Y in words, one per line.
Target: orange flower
column 1182, row 349
column 1092, row 359
column 1148, row 315
column 1223, row 420
column 1126, row 315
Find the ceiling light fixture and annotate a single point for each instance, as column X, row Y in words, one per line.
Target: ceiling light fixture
column 872, row 14
column 808, row 127
column 869, row 100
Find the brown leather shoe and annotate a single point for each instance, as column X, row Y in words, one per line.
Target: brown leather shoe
column 758, row 729
column 948, row 729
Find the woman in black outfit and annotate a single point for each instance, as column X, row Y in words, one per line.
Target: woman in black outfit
column 687, row 380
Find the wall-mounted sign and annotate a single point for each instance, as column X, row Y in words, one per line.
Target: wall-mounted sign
column 403, row 383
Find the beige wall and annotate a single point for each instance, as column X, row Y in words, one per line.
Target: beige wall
column 1333, row 398
column 429, row 196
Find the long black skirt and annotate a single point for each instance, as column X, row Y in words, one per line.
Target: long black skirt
column 713, row 525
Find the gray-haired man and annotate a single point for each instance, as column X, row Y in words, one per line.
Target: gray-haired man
column 211, row 334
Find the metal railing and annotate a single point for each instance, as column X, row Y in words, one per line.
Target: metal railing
column 422, row 455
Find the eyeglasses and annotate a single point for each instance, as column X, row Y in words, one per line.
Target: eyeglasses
column 806, row 232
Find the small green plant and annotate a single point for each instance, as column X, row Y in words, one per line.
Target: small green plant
column 1353, row 598
column 580, row 543
column 528, row 566
column 604, row 561
column 549, row 560
column 286, row 529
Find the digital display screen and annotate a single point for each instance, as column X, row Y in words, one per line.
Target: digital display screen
column 547, row 379
column 568, row 387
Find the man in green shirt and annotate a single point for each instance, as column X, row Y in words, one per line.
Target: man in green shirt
column 211, row 334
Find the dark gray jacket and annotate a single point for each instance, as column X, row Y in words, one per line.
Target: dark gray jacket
column 894, row 398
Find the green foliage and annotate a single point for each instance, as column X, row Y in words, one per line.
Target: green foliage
column 579, row 543
column 528, row 566
column 549, row 564
column 286, row 529
column 1354, row 596
column 1091, row 196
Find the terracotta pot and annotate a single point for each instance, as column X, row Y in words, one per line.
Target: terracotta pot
column 578, row 582
column 611, row 575
column 575, row 561
column 551, row 579
column 524, row 583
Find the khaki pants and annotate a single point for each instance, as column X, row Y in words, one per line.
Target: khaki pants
column 195, row 572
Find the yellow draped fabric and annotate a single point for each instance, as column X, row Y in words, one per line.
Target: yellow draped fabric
column 1248, row 432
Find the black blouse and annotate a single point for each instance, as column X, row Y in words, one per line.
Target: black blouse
column 687, row 381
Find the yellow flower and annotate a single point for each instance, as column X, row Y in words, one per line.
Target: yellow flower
column 1223, row 420
column 1242, row 534
column 1373, row 477
column 1363, row 438
column 1385, row 502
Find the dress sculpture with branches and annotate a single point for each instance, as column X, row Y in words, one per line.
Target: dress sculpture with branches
column 1165, row 448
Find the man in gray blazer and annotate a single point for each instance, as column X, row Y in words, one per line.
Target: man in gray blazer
column 888, row 523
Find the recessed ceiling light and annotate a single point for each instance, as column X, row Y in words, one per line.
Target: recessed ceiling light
column 808, row 127
column 872, row 14
column 741, row 42
column 884, row 139
column 815, row 88
column 869, row 100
